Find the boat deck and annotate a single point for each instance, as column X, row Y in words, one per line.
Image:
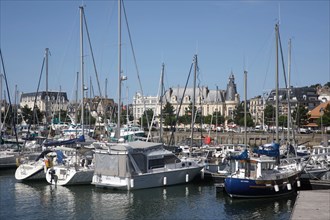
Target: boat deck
column 312, row 204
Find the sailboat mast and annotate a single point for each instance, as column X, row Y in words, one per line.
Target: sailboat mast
column 76, row 105
column 216, row 118
column 82, row 67
column 119, row 68
column 47, row 96
column 288, row 91
column 1, row 104
column 1, row 77
column 276, row 86
column 161, row 104
column 245, row 107
column 193, row 101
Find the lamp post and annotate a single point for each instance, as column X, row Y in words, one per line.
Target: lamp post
column 321, row 114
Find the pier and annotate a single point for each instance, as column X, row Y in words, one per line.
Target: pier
column 312, row 204
column 254, row 139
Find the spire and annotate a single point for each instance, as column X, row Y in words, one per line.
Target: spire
column 231, row 88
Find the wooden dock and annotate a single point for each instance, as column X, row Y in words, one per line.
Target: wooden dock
column 313, row 204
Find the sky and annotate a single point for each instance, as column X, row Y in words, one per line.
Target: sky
column 227, row 36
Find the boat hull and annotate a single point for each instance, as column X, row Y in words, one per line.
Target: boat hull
column 250, row 188
column 70, row 176
column 315, row 174
column 32, row 171
column 8, row 161
column 147, row 180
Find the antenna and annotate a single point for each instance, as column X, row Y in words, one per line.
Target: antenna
column 196, row 47
column 279, row 13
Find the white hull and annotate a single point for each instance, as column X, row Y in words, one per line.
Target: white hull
column 30, row 171
column 148, row 180
column 8, row 161
column 69, row 175
column 314, row 173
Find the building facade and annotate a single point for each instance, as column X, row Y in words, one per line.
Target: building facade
column 206, row 101
column 56, row 101
column 303, row 96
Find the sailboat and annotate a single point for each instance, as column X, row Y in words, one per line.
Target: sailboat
column 81, row 170
column 138, row 164
column 260, row 174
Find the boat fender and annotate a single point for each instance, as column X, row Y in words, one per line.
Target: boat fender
column 298, row 183
column 276, row 188
column 289, row 186
column 18, row 161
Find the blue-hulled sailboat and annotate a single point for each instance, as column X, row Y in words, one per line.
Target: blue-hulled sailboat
column 261, row 176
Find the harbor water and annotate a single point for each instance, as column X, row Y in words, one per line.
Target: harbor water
column 197, row 200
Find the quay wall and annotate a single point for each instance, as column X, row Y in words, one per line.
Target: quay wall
column 253, row 139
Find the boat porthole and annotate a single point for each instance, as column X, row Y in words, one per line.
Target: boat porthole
column 183, row 164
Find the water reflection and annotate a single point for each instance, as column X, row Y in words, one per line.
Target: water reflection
column 38, row 200
column 265, row 208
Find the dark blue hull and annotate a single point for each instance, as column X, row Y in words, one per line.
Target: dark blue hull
column 248, row 188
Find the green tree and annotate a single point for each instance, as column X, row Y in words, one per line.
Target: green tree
column 143, row 119
column 283, row 121
column 168, row 115
column 300, row 115
column 208, row 119
column 239, row 116
column 315, row 85
column 325, row 117
column 32, row 116
column 327, row 84
column 27, row 114
column 269, row 115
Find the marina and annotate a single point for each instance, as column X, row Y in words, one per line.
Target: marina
column 190, row 152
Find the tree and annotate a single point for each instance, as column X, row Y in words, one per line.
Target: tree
column 327, row 84
column 218, row 118
column 300, row 116
column 27, row 114
column 143, row 119
column 269, row 115
column 283, row 121
column 239, row 116
column 32, row 117
column 325, row 117
column 315, row 85
column 168, row 115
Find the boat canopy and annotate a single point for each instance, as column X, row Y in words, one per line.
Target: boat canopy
column 43, row 154
column 271, row 150
column 65, row 142
column 243, row 156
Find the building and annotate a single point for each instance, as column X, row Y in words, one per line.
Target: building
column 206, row 101
column 141, row 103
column 324, row 93
column 315, row 114
column 100, row 105
column 256, row 108
column 56, row 101
column 303, row 96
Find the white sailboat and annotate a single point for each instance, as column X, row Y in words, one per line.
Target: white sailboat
column 81, row 170
column 35, row 169
column 137, row 164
